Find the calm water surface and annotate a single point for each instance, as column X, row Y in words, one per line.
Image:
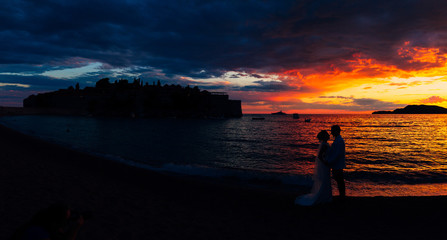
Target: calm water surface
column 387, row 155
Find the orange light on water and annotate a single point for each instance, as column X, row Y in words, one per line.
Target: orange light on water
column 394, row 190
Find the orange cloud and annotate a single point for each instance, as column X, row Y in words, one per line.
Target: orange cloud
column 358, row 70
column 422, row 54
column 334, row 77
column 433, row 99
column 398, row 84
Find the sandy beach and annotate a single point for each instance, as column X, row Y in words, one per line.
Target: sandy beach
column 131, row 203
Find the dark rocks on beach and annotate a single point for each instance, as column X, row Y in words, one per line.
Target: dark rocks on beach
column 136, row 99
column 416, row 109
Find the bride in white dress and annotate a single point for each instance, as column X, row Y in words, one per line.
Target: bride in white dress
column 321, row 190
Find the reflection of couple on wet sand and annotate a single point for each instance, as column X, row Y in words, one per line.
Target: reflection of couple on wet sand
column 329, row 157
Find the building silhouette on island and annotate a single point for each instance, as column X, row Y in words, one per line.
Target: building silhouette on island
column 124, row 99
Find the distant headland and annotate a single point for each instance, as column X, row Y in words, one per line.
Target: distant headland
column 416, row 109
column 124, row 99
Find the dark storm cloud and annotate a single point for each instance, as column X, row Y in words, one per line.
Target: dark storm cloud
column 335, row 30
column 184, row 37
column 178, row 36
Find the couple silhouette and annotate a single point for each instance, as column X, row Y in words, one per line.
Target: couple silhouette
column 328, row 157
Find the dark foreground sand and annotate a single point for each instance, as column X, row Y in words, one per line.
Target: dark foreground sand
column 129, row 203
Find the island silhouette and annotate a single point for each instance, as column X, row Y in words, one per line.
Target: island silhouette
column 416, row 109
column 279, row 113
column 124, row 99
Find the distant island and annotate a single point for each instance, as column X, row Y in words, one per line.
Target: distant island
column 416, row 109
column 279, row 113
column 124, row 99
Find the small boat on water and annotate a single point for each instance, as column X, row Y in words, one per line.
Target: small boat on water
column 279, row 113
column 296, row 116
column 307, row 120
column 257, row 118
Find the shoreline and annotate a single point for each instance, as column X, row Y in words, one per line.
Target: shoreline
column 225, row 179
column 132, row 203
column 292, row 183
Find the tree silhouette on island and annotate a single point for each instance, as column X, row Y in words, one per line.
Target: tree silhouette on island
column 124, row 99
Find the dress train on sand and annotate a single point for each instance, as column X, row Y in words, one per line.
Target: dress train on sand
column 321, row 190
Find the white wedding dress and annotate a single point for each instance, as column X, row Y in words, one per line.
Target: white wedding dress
column 321, row 190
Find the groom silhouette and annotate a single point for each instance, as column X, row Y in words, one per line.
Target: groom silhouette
column 336, row 159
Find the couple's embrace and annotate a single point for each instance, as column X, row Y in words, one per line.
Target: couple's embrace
column 329, row 157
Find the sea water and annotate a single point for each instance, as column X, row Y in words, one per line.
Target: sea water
column 387, row 155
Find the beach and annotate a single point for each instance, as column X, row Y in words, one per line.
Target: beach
column 131, row 203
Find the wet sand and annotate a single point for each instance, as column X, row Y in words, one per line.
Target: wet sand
column 131, row 203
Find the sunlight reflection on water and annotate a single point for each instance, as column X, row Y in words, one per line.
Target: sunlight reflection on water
column 386, row 154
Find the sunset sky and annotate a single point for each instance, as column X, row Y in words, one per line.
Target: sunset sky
column 295, row 56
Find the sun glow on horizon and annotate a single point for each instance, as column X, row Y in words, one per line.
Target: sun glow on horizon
column 351, row 86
